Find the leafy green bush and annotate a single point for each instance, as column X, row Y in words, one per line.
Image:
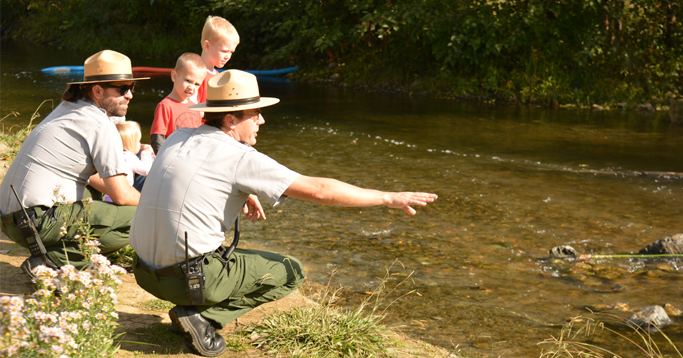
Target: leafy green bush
column 544, row 51
column 157, row 29
column 524, row 50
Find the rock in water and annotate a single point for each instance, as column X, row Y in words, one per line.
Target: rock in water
column 676, row 111
column 669, row 245
column 672, row 311
column 563, row 252
column 651, row 318
column 645, row 107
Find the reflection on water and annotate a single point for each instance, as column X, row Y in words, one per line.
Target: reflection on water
column 512, row 183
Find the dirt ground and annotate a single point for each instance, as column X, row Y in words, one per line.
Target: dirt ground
column 144, row 328
column 143, row 319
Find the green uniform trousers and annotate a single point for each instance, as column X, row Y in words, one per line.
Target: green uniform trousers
column 250, row 279
column 110, row 222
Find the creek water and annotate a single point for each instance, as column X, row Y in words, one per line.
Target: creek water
column 512, row 184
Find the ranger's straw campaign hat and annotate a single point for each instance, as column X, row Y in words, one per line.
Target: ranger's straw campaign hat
column 107, row 66
column 231, row 91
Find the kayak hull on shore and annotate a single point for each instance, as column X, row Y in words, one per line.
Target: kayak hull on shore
column 163, row 71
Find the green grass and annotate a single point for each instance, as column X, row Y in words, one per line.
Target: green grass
column 236, row 343
column 320, row 332
column 157, row 305
column 123, row 257
column 576, row 339
column 14, row 137
column 321, row 329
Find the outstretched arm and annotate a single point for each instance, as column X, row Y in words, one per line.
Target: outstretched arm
column 337, row 193
column 118, row 189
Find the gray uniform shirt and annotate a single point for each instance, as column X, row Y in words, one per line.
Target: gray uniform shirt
column 74, row 142
column 198, row 184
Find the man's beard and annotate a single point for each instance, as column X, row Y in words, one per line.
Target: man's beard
column 113, row 107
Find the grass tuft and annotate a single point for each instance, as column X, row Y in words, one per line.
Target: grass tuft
column 235, row 343
column 575, row 337
column 123, row 257
column 13, row 139
column 157, row 305
column 321, row 329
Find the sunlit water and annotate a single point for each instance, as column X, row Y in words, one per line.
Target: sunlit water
column 512, row 183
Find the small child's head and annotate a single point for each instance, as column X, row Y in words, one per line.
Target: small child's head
column 187, row 76
column 219, row 40
column 130, row 135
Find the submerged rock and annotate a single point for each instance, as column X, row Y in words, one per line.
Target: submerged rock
column 668, row 245
column 583, row 266
column 619, row 306
column 563, row 252
column 645, row 107
column 672, row 311
column 651, row 319
column 609, row 273
column 676, row 111
column 664, row 266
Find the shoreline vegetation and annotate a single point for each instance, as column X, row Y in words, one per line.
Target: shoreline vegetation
column 599, row 54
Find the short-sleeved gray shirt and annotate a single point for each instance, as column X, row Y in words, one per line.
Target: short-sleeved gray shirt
column 198, row 184
column 74, row 142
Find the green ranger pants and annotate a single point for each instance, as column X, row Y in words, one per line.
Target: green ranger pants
column 250, row 279
column 110, row 222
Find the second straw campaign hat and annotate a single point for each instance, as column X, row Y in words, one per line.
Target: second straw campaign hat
column 107, row 66
column 231, row 91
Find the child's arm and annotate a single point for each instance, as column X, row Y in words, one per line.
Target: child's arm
column 157, row 141
column 140, row 165
column 160, row 125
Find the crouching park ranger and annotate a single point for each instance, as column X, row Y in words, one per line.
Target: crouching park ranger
column 74, row 146
column 201, row 180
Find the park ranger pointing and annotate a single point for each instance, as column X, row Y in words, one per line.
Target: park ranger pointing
column 200, row 182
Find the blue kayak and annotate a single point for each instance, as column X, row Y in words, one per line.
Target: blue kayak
column 69, row 69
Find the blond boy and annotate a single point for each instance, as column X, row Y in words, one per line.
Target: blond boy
column 219, row 40
column 172, row 112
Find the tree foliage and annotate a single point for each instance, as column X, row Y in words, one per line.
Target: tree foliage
column 525, row 50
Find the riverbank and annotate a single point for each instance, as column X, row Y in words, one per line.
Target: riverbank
column 547, row 53
column 670, row 108
column 144, row 322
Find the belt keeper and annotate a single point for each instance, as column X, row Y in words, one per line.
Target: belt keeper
column 7, row 219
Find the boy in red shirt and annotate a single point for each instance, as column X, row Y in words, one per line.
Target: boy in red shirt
column 219, row 40
column 172, row 112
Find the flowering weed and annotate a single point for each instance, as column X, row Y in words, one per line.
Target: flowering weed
column 71, row 313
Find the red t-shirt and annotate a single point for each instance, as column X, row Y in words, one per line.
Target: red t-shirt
column 201, row 92
column 171, row 115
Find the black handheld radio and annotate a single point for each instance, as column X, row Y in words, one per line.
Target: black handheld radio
column 194, row 274
column 194, row 278
column 28, row 230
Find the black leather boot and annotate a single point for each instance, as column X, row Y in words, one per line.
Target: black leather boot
column 34, row 261
column 198, row 333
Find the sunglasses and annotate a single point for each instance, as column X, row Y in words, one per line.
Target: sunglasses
column 122, row 89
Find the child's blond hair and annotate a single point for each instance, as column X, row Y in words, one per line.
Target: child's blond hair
column 189, row 59
column 130, row 134
column 217, row 27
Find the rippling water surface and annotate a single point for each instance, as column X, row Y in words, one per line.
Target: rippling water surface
column 512, row 183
